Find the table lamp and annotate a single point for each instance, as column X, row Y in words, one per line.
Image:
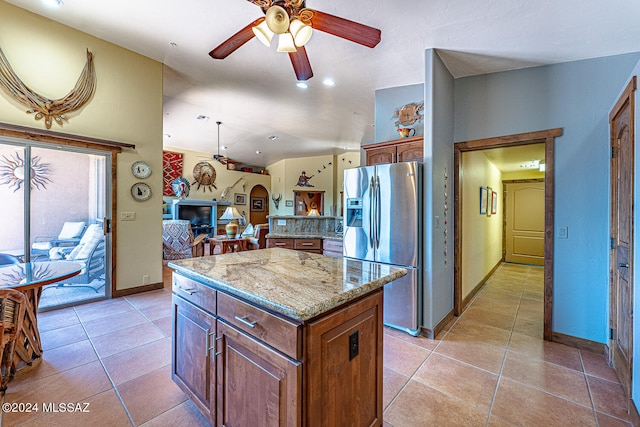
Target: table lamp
column 232, row 215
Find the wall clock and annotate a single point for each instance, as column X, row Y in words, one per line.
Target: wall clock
column 204, row 175
column 141, row 169
column 141, row 191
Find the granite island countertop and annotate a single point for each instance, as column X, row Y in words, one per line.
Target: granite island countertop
column 297, row 284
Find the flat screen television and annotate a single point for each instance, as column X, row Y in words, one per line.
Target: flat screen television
column 196, row 215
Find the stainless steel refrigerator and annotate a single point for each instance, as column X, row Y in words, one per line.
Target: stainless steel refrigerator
column 383, row 223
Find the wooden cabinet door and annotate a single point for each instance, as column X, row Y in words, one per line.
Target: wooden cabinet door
column 379, row 156
column 192, row 355
column 410, row 152
column 257, row 386
column 344, row 385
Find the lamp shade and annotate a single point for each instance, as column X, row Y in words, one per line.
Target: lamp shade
column 285, row 43
column 263, row 33
column 313, row 212
column 231, row 213
column 277, row 19
column 300, row 31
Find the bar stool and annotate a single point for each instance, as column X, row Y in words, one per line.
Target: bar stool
column 12, row 308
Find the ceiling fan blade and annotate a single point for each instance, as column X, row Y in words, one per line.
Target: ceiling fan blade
column 235, row 41
column 344, row 28
column 301, row 64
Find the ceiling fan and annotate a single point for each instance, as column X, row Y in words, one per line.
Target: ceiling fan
column 293, row 22
column 217, row 157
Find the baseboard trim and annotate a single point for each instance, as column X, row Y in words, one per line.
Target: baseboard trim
column 580, row 343
column 467, row 300
column 137, row 289
column 432, row 333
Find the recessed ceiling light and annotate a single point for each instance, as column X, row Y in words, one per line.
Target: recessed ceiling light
column 203, row 118
column 272, row 137
column 167, row 135
column 258, row 152
column 52, row 3
column 302, row 85
column 224, row 147
column 328, row 82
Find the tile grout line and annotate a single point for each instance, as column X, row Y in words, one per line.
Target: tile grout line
column 115, row 389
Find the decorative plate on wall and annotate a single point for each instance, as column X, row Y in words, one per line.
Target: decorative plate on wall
column 141, row 191
column 141, row 169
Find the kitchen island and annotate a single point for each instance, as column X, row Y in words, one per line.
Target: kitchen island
column 280, row 337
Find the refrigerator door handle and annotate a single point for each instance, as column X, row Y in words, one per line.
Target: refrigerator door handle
column 371, row 219
column 378, row 212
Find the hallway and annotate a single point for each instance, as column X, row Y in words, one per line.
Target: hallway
column 491, row 367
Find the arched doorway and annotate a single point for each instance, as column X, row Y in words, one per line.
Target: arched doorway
column 258, row 205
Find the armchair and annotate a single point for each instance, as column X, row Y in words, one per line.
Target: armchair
column 68, row 236
column 178, row 241
column 90, row 251
column 259, row 238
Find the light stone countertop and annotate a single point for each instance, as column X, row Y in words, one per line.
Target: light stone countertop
column 297, row 284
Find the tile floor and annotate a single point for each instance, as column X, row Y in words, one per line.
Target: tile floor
column 490, row 368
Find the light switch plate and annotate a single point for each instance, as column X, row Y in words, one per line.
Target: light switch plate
column 128, row 216
column 563, row 232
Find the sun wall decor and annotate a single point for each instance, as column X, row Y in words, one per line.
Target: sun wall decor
column 52, row 110
column 12, row 172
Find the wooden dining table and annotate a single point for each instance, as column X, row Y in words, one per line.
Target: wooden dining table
column 29, row 278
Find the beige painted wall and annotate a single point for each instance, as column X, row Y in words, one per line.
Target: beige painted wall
column 482, row 234
column 224, row 178
column 285, row 173
column 126, row 107
column 525, row 174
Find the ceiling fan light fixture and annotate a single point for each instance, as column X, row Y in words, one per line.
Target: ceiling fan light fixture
column 286, row 43
column 300, row 31
column 277, row 19
column 263, row 33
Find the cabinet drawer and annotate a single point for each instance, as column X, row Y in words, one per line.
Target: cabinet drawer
column 280, row 243
column 194, row 292
column 332, row 245
column 306, row 244
column 280, row 333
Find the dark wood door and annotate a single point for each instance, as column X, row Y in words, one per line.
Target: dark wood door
column 621, row 278
column 413, row 151
column 192, row 355
column 257, row 385
column 380, row 156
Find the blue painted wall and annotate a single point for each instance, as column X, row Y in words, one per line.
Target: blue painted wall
column 438, row 147
column 576, row 96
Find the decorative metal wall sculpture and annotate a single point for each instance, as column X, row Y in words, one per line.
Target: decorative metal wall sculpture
column 12, row 172
column 52, row 110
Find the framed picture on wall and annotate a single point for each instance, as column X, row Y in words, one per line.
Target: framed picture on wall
column 494, row 202
column 484, row 200
column 240, row 199
column 288, row 203
column 257, row 204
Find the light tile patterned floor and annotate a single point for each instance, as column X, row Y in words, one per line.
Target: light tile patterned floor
column 490, row 368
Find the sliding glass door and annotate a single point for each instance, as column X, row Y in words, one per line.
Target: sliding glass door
column 60, row 217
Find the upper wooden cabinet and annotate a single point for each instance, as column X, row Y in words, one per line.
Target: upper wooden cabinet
column 400, row 150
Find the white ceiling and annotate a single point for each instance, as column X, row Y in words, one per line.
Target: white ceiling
column 253, row 91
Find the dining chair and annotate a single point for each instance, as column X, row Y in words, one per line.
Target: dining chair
column 12, row 309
